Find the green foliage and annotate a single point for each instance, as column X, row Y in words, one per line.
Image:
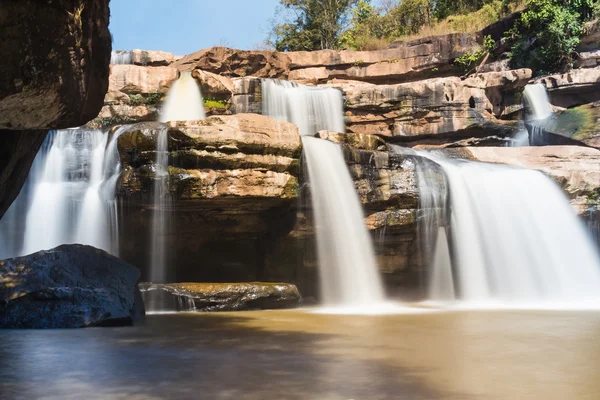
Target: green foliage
column 213, row 103
column 471, row 59
column 549, row 32
column 151, row 99
column 311, row 24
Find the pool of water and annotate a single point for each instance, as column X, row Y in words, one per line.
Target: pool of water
column 306, row 355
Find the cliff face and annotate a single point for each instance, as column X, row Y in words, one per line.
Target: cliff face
column 54, row 64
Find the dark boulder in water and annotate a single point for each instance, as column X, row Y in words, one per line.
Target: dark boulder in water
column 71, row 286
column 221, row 296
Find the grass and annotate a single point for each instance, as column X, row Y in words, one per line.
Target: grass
column 219, row 104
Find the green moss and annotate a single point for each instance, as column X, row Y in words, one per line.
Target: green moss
column 594, row 197
column 579, row 123
column 291, row 189
column 218, row 104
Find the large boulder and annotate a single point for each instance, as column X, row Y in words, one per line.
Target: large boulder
column 56, row 76
column 54, row 64
column 225, row 296
column 72, row 286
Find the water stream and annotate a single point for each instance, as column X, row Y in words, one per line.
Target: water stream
column 348, row 269
column 69, row 196
column 184, row 101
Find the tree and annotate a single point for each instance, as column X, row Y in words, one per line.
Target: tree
column 311, row 24
column 548, row 33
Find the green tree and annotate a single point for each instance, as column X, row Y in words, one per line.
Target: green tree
column 548, row 33
column 311, row 24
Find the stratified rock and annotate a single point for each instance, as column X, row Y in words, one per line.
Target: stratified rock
column 448, row 107
column 72, row 286
column 54, row 62
column 237, row 63
column 135, row 79
column 228, row 296
column 573, row 88
column 402, row 62
column 358, row 141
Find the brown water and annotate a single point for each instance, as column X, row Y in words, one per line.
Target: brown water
column 299, row 355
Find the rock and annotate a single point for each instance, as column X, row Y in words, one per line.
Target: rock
column 214, row 86
column 228, row 296
column 436, row 107
column 574, row 126
column 402, row 62
column 135, row 79
column 356, row 140
column 17, row 152
column 72, row 286
column 54, row 77
column 237, row 63
column 576, row 169
column 233, row 185
column 573, row 88
column 591, row 37
column 151, row 58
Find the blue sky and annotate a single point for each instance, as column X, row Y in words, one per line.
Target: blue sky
column 185, row 26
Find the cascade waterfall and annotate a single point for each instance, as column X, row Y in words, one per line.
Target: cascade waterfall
column 348, row 270
column 69, row 196
column 515, row 240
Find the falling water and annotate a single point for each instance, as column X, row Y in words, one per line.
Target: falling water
column 184, row 101
column 120, row 57
column 158, row 267
column 312, row 109
column 69, row 196
column 536, row 99
column 516, row 240
column 349, row 274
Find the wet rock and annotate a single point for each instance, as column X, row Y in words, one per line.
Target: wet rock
column 227, row 296
column 72, row 286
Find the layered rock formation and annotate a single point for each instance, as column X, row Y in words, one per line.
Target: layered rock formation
column 52, row 78
column 233, row 182
column 71, row 286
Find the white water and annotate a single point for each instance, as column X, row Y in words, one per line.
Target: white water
column 184, row 101
column 158, row 260
column 120, row 57
column 348, row 269
column 536, row 99
column 516, row 241
column 312, row 109
column 69, row 196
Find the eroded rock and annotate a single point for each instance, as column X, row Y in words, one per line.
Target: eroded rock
column 72, row 286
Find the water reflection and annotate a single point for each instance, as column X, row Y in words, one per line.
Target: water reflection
column 300, row 355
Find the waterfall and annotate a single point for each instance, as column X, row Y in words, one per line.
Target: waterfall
column 120, row 57
column 515, row 239
column 536, row 99
column 312, row 109
column 69, row 196
column 184, row 101
column 160, row 195
column 348, row 269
